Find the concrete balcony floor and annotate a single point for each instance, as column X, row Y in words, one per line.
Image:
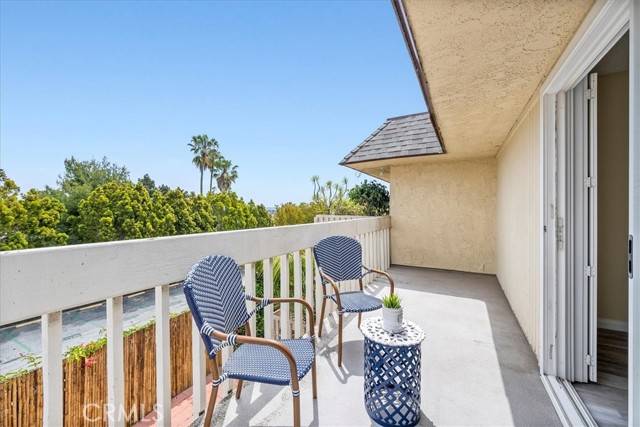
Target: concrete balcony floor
column 477, row 366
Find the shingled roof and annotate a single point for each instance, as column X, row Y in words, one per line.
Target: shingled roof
column 403, row 136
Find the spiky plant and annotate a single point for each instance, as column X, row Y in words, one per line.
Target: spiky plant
column 391, row 301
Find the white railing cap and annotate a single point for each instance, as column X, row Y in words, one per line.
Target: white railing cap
column 39, row 281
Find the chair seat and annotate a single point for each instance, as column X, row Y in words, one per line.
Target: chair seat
column 358, row 302
column 268, row 365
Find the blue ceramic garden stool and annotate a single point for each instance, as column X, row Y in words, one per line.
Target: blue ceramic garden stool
column 392, row 373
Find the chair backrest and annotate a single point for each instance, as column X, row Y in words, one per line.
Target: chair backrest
column 214, row 292
column 339, row 257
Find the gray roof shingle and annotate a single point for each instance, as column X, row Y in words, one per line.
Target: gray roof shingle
column 402, row 136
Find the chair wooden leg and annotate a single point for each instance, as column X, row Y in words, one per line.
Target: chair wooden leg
column 296, row 411
column 239, row 389
column 340, row 340
column 359, row 319
column 321, row 319
column 212, row 403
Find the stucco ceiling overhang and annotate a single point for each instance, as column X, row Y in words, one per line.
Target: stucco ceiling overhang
column 479, row 62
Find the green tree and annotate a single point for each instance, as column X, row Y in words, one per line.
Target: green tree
column 226, row 173
column 151, row 186
column 148, row 183
column 79, row 179
column 118, row 211
column 373, row 196
column 163, row 215
column 12, row 216
column 261, row 214
column 183, row 208
column 231, row 212
column 333, row 199
column 202, row 214
column 43, row 215
column 291, row 214
column 201, row 147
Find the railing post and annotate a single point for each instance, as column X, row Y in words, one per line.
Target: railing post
column 384, row 248
column 115, row 362
column 372, row 251
column 297, row 293
column 199, row 371
column 318, row 294
column 163, row 378
column 308, row 278
column 52, row 389
column 387, row 238
column 250, row 288
column 367, row 254
column 378, row 246
column 285, row 326
column 267, row 277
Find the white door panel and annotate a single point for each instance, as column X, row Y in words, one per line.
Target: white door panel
column 592, row 200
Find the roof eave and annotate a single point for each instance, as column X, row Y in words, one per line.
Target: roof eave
column 407, row 35
column 343, row 163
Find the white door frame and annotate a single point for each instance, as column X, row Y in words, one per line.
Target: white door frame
column 601, row 28
column 634, row 214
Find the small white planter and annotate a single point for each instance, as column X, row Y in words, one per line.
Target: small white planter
column 392, row 320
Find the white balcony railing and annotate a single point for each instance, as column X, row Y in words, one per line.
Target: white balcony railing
column 43, row 282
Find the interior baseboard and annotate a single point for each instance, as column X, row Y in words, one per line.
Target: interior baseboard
column 614, row 325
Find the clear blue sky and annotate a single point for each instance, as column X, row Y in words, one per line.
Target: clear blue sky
column 287, row 88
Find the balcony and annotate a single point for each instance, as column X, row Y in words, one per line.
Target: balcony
column 477, row 367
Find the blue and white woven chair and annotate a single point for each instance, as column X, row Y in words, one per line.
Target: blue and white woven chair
column 339, row 258
column 216, row 298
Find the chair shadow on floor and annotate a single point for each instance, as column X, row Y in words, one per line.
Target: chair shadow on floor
column 352, row 361
column 352, row 365
column 245, row 406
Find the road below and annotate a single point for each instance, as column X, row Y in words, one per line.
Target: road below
column 79, row 326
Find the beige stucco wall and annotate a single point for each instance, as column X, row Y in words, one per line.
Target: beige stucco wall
column 443, row 215
column 483, row 59
column 613, row 195
column 518, row 222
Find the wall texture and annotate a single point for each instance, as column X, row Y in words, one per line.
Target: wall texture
column 613, row 195
column 443, row 215
column 518, row 222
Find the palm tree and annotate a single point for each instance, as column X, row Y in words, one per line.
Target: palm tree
column 201, row 147
column 226, row 173
column 212, row 164
column 315, row 179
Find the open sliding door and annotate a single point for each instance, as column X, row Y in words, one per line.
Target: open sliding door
column 581, row 254
column 592, row 232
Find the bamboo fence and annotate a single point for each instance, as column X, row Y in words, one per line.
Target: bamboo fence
column 85, row 385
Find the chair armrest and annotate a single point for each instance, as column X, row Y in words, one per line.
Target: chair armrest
column 384, row 273
column 294, row 300
column 389, row 278
column 336, row 291
column 305, row 304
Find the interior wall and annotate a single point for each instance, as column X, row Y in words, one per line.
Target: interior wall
column 613, row 195
column 443, row 215
column 518, row 222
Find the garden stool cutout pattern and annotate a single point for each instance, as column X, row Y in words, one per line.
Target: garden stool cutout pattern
column 392, row 373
